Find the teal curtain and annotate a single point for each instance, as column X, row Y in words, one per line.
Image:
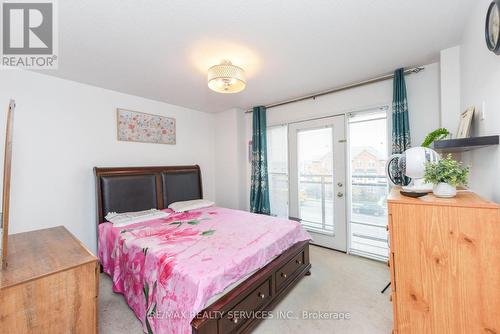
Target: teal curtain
column 259, row 190
column 401, row 140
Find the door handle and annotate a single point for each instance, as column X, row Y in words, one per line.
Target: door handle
column 340, row 194
column 340, row 184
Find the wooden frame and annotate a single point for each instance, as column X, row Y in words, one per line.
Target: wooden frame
column 7, row 164
column 464, row 125
column 221, row 316
column 125, row 171
column 259, row 292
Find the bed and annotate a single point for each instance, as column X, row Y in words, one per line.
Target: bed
column 206, row 271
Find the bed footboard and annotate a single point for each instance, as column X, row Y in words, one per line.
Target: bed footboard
column 241, row 309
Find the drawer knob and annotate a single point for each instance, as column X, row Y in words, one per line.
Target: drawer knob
column 298, row 262
column 283, row 275
column 261, row 295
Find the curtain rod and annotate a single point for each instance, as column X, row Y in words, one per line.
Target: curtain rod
column 341, row 88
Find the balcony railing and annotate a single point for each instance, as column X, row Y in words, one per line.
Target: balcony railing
column 369, row 215
column 316, row 202
column 316, row 209
column 278, row 191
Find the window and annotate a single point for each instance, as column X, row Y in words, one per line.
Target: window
column 369, row 188
column 277, row 154
column 315, row 179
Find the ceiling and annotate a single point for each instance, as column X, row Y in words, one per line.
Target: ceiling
column 162, row 49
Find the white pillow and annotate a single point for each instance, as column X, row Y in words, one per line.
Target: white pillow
column 190, row 205
column 127, row 218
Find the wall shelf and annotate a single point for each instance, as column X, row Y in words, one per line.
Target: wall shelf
column 465, row 144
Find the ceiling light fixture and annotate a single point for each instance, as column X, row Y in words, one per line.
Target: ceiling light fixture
column 226, row 78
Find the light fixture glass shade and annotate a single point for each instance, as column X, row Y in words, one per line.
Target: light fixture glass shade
column 226, row 78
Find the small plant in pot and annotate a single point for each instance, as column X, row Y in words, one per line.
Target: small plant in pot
column 446, row 175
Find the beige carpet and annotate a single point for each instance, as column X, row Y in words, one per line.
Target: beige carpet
column 339, row 284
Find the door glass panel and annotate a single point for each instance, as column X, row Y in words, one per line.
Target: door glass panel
column 369, row 187
column 315, row 169
column 277, row 152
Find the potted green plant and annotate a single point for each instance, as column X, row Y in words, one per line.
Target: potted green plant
column 446, row 175
column 437, row 134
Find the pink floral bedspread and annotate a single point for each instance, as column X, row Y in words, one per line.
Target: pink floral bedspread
column 169, row 268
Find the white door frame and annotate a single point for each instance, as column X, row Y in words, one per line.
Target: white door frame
column 338, row 240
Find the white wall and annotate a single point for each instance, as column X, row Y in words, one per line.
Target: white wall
column 62, row 129
column 480, row 82
column 230, row 157
column 423, row 99
column 450, row 88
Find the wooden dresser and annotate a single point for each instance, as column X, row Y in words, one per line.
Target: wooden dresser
column 445, row 264
column 50, row 284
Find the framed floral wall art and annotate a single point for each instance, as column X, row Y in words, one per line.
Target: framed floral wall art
column 146, row 128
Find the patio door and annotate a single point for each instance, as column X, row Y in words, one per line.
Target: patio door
column 317, row 179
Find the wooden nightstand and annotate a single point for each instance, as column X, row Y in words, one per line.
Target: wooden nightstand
column 50, row 285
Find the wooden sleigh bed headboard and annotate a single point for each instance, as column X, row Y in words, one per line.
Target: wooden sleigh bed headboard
column 126, row 189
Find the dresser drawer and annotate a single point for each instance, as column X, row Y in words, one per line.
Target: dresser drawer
column 245, row 309
column 286, row 273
